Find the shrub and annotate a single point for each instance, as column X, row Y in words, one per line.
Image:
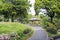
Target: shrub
column 51, row 28
column 57, row 22
column 26, row 31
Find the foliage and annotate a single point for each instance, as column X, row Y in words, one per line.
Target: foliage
column 26, row 20
column 57, row 22
column 50, row 27
column 14, row 8
column 50, row 34
column 47, row 5
column 51, row 8
column 53, row 11
column 1, row 18
column 44, row 20
column 6, row 10
column 8, row 28
column 30, row 16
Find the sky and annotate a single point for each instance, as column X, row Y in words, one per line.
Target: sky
column 32, row 11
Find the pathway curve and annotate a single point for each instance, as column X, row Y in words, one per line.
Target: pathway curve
column 39, row 33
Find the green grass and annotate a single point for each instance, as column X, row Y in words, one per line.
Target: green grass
column 8, row 27
column 50, row 34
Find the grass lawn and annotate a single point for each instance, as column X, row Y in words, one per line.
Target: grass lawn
column 9, row 27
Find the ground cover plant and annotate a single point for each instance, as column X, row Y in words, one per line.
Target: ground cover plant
column 16, row 30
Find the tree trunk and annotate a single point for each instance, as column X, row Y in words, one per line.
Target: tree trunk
column 51, row 19
column 7, row 19
column 12, row 18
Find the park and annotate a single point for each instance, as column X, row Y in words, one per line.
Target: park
column 18, row 23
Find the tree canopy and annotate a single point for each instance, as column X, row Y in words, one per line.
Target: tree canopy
column 14, row 8
column 52, row 7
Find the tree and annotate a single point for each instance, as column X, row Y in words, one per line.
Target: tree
column 6, row 10
column 52, row 7
column 15, row 8
column 20, row 7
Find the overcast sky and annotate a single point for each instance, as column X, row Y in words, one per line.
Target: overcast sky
column 32, row 8
column 32, row 11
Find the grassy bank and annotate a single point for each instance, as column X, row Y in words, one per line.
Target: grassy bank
column 8, row 27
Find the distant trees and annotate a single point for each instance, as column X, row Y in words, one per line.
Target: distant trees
column 52, row 7
column 14, row 8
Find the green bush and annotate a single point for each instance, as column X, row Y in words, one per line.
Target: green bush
column 57, row 22
column 45, row 21
column 8, row 27
column 51, row 28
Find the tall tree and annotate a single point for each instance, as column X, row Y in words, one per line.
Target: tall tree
column 18, row 8
column 52, row 7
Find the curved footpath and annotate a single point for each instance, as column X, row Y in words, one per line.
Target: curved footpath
column 39, row 33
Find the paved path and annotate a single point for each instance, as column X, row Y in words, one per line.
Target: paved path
column 39, row 33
